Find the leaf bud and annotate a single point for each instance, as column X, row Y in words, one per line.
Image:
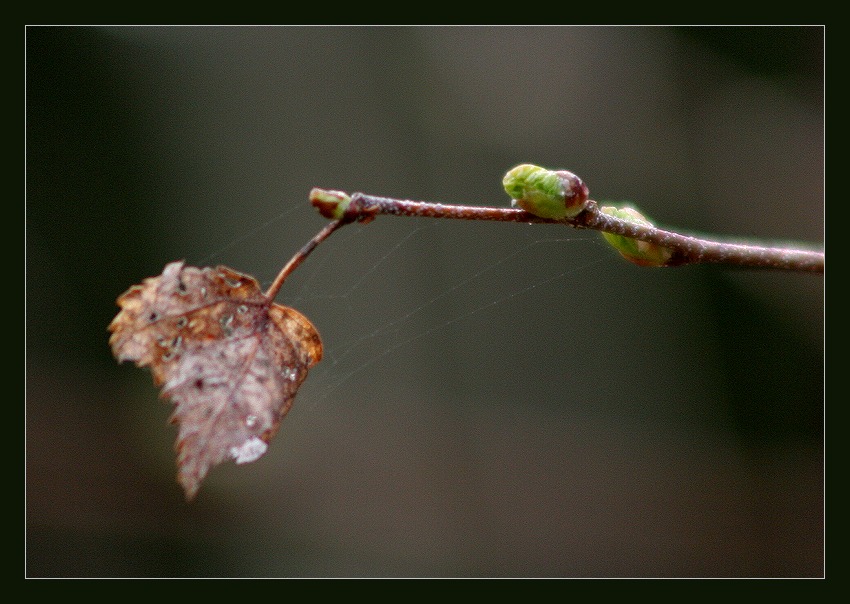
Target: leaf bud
column 642, row 253
column 553, row 194
column 331, row 204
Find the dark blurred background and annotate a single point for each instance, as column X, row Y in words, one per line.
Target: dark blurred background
column 495, row 400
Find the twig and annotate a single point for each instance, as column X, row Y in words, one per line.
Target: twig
column 693, row 250
column 683, row 249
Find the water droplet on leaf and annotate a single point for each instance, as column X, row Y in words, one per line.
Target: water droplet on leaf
column 251, row 450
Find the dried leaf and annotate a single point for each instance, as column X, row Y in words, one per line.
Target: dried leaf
column 229, row 358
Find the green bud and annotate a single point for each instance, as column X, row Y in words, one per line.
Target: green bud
column 554, row 194
column 639, row 252
column 331, row 204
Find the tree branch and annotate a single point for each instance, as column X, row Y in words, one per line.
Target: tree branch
column 682, row 249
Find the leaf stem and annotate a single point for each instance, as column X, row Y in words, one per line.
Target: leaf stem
column 301, row 255
column 686, row 249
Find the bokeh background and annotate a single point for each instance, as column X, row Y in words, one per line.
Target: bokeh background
column 495, row 400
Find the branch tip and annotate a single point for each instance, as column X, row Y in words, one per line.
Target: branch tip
column 331, row 204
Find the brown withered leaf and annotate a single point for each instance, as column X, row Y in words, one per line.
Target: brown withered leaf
column 229, row 359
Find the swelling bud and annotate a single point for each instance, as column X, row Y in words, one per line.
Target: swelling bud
column 553, row 194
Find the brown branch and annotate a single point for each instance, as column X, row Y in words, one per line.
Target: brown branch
column 685, row 249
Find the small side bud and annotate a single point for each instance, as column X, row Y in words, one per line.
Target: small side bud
column 553, row 194
column 642, row 253
column 331, row 204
